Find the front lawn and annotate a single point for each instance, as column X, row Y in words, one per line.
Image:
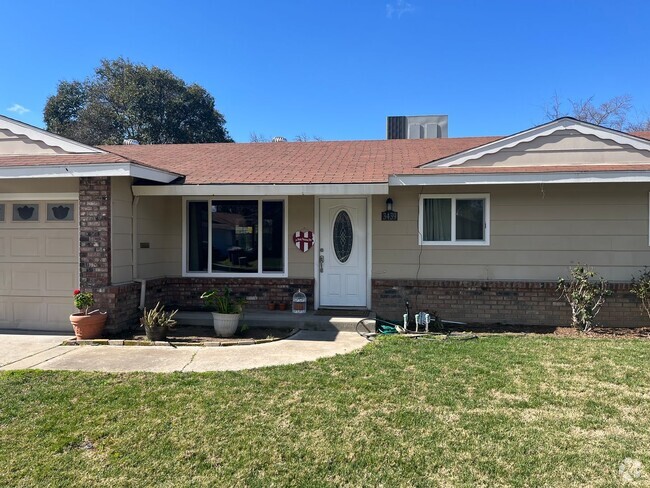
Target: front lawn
column 501, row 410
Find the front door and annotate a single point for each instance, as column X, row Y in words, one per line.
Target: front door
column 342, row 256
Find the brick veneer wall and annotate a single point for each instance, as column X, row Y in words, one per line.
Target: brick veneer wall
column 184, row 293
column 491, row 302
column 120, row 301
column 94, row 233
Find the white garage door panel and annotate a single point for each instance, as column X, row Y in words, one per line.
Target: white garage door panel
column 39, row 269
column 60, row 247
column 25, row 247
column 43, row 246
column 26, row 279
column 38, row 279
column 35, row 313
column 60, row 280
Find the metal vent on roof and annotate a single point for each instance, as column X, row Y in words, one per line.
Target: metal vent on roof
column 130, row 142
column 416, row 127
column 279, row 139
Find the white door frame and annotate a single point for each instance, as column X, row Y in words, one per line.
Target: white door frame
column 368, row 199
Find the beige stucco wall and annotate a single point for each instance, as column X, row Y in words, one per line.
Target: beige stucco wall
column 563, row 148
column 537, row 232
column 121, row 229
column 159, row 225
column 301, row 216
column 40, row 185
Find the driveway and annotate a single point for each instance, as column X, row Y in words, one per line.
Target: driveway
column 44, row 352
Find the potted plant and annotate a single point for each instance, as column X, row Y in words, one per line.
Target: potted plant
column 86, row 325
column 157, row 322
column 226, row 311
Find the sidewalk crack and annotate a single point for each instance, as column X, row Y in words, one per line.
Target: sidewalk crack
column 190, row 361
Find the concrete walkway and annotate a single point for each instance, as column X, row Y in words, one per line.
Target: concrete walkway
column 27, row 351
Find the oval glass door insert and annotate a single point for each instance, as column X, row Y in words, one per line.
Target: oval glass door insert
column 342, row 236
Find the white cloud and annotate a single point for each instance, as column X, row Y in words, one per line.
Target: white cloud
column 19, row 109
column 398, row 8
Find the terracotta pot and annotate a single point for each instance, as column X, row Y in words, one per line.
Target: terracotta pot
column 282, row 306
column 270, row 305
column 88, row 326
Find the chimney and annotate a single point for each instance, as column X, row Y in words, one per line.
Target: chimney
column 416, row 126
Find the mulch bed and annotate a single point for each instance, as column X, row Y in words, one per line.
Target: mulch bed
column 625, row 332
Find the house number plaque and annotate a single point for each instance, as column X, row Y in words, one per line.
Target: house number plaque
column 389, row 215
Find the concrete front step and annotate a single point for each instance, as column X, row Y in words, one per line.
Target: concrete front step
column 278, row 319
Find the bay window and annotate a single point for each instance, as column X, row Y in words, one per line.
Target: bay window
column 235, row 237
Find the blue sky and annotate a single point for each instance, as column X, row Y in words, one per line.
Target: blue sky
column 336, row 69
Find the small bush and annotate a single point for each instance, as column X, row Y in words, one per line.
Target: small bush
column 585, row 292
column 641, row 288
column 157, row 317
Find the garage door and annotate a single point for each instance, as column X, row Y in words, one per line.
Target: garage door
column 39, row 264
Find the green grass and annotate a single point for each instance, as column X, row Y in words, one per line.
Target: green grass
column 513, row 411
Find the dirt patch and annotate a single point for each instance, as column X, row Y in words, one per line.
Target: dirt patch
column 199, row 334
column 624, row 332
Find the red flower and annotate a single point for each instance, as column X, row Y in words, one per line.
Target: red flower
column 76, row 292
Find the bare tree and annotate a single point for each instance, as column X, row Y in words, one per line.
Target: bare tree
column 612, row 113
column 303, row 137
column 255, row 137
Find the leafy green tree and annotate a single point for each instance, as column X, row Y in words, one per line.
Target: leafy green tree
column 124, row 100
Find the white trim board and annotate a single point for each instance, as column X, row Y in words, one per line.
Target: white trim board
column 83, row 170
column 36, row 134
column 345, row 189
column 565, row 123
column 520, row 178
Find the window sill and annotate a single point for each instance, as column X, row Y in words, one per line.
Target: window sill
column 199, row 274
column 455, row 243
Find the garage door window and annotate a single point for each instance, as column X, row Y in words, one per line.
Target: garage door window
column 25, row 212
column 2, row 212
column 57, row 212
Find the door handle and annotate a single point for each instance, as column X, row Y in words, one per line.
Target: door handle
column 321, row 261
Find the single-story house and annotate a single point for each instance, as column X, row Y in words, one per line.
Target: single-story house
column 476, row 228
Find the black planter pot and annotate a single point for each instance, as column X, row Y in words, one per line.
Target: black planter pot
column 156, row 333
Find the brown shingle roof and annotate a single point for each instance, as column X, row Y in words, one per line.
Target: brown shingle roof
column 60, row 159
column 296, row 162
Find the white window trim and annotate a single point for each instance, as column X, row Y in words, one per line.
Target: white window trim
column 454, row 197
column 259, row 274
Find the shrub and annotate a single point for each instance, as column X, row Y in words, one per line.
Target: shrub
column 222, row 301
column 83, row 300
column 641, row 288
column 157, row 317
column 585, row 292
